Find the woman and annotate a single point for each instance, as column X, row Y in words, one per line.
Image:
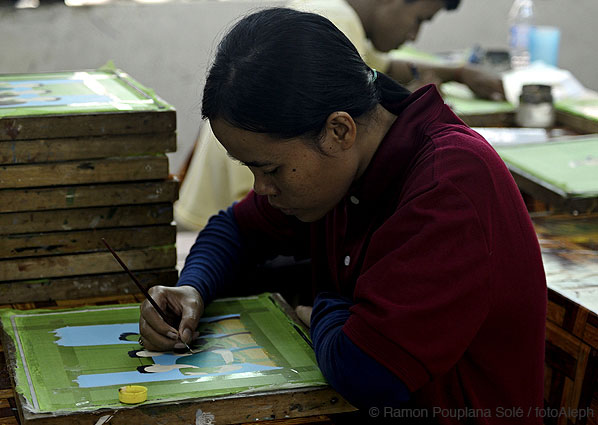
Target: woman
column 426, row 268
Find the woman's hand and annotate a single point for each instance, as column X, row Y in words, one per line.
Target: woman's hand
column 182, row 304
column 304, row 313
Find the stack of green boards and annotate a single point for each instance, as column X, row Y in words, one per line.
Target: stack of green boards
column 82, row 157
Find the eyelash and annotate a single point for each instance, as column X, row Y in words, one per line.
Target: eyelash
column 271, row 172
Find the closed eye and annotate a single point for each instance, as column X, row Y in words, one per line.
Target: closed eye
column 271, row 172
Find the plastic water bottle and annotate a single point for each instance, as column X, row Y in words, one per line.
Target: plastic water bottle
column 521, row 20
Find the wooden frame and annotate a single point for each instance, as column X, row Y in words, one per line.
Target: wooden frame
column 241, row 408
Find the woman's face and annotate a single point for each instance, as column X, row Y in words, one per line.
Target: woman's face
column 297, row 178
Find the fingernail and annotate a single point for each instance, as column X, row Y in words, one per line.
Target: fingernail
column 172, row 335
column 186, row 334
column 179, row 346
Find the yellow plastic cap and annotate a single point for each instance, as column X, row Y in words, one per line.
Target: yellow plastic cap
column 132, row 394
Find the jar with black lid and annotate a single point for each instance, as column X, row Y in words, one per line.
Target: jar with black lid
column 535, row 106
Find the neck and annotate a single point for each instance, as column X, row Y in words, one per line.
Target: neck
column 375, row 130
column 364, row 10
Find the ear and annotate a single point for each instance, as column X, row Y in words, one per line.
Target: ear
column 341, row 131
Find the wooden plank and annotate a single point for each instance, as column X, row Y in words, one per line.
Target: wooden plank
column 565, row 401
column 555, row 202
column 547, row 380
column 502, row 119
column 79, row 241
column 555, row 313
column 41, row 199
column 576, row 122
column 580, row 373
column 558, row 360
column 219, row 410
column 87, row 171
column 101, row 300
column 580, row 322
column 74, row 148
column 593, row 415
column 590, row 335
column 562, row 339
column 93, row 124
column 85, row 218
column 319, row 419
column 84, row 264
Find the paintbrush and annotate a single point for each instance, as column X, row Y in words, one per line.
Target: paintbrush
column 141, row 288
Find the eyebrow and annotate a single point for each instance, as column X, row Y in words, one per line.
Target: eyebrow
column 256, row 164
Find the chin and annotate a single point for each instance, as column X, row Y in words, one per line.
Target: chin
column 309, row 217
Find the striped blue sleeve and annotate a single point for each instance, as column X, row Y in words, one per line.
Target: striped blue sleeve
column 214, row 257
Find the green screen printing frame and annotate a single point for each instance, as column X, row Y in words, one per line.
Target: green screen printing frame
column 102, row 90
column 86, row 103
column 562, row 173
column 69, row 361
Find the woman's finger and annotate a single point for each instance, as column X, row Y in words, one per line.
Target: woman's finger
column 149, row 313
column 153, row 340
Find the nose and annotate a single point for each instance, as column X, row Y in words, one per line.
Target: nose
column 412, row 35
column 262, row 185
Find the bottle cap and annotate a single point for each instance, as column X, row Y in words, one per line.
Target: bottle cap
column 132, row 394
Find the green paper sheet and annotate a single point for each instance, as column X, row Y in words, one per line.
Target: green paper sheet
column 75, row 360
column 78, row 92
column 585, row 108
column 463, row 102
column 569, row 166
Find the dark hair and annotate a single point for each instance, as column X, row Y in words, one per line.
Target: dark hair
column 451, row 4
column 283, row 72
column 448, row 4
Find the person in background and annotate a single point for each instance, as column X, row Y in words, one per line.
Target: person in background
column 428, row 283
column 212, row 181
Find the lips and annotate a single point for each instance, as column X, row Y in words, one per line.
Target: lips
column 287, row 211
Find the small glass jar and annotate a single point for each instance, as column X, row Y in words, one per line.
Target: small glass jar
column 535, row 106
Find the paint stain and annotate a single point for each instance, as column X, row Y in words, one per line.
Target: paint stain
column 86, row 166
column 104, row 420
column 12, row 129
column 111, row 212
column 204, row 418
column 70, row 196
column 37, row 248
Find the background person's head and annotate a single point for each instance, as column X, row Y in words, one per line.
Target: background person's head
column 390, row 23
column 279, row 80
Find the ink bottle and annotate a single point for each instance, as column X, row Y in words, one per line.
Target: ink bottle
column 535, row 106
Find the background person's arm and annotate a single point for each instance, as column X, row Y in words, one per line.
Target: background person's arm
column 484, row 84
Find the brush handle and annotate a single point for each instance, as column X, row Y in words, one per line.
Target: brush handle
column 139, row 285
